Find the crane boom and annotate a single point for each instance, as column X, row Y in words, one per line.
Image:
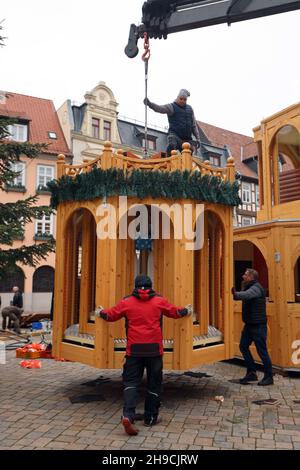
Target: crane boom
column 163, row 17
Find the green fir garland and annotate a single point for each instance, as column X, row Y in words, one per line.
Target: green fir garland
column 142, row 184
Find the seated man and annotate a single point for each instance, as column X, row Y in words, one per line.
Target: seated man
column 14, row 315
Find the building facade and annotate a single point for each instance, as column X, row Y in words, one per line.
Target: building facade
column 244, row 151
column 37, row 122
column 88, row 125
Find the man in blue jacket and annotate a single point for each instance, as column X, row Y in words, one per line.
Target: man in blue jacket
column 182, row 123
column 255, row 330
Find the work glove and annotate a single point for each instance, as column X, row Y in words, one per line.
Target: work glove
column 189, row 308
column 98, row 311
column 233, row 291
column 147, row 102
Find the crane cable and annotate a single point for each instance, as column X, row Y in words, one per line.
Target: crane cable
column 145, row 57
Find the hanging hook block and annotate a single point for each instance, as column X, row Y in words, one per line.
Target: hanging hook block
column 131, row 50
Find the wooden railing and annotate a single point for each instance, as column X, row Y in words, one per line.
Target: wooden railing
column 181, row 162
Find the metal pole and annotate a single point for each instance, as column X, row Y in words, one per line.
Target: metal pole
column 146, row 111
column 145, row 58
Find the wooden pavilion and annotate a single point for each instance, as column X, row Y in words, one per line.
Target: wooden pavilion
column 272, row 246
column 92, row 270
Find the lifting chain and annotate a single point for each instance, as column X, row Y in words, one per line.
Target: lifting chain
column 145, row 57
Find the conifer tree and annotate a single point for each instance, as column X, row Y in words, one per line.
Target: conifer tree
column 1, row 37
column 15, row 215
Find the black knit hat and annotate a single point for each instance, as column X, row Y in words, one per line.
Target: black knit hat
column 143, row 281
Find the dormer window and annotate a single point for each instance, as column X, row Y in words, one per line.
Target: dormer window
column 151, row 141
column 215, row 160
column 52, row 135
column 18, row 132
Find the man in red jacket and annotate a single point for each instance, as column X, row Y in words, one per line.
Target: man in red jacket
column 143, row 311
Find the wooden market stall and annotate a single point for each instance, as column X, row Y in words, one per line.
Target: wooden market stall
column 92, row 270
column 272, row 246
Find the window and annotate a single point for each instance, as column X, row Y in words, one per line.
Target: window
column 107, row 130
column 215, row 160
column 96, row 128
column 52, row 135
column 18, row 132
column 21, row 234
column 18, row 167
column 246, row 221
column 44, row 226
column 43, row 279
column 151, row 143
column 11, row 279
column 246, row 192
column 257, row 195
column 44, row 175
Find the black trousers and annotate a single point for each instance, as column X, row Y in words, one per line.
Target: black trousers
column 258, row 335
column 175, row 143
column 132, row 376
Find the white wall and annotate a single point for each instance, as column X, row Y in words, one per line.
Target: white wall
column 33, row 302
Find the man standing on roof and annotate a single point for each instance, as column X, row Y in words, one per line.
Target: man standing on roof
column 182, row 123
column 143, row 311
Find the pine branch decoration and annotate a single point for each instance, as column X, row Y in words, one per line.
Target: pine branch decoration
column 141, row 184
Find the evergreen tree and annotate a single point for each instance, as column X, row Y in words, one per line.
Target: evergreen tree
column 1, row 37
column 14, row 215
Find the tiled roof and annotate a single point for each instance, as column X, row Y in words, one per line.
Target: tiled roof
column 42, row 118
column 240, row 146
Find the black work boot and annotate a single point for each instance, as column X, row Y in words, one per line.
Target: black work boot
column 152, row 421
column 266, row 380
column 249, row 377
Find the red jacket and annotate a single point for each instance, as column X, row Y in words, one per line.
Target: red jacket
column 143, row 312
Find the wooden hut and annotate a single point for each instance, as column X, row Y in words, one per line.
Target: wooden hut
column 272, row 246
column 92, row 270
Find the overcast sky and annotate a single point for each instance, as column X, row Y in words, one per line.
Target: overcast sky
column 236, row 75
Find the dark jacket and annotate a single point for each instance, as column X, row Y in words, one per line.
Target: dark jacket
column 12, row 312
column 181, row 122
column 18, row 299
column 143, row 312
column 254, row 303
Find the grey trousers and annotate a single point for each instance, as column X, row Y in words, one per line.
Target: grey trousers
column 175, row 143
column 11, row 318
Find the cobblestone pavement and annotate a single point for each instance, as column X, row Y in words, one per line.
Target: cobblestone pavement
column 36, row 411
